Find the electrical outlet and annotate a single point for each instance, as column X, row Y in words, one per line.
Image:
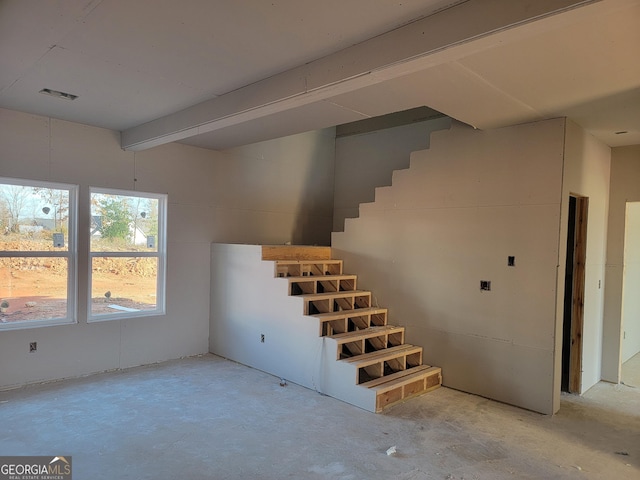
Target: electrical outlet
column 485, row 285
column 262, row 338
column 511, row 261
column 33, row 347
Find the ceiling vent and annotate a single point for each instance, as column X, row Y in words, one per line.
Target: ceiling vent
column 57, row 94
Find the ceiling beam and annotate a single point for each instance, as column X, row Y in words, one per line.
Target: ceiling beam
column 454, row 32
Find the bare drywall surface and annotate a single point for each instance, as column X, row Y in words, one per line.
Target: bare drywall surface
column 451, row 220
column 255, row 322
column 586, row 174
column 276, row 191
column 624, row 187
column 631, row 284
column 367, row 161
column 271, row 192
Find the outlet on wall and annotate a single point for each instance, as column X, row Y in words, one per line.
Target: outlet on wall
column 262, row 338
column 33, row 347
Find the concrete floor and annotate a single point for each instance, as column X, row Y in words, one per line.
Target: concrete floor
column 208, row 418
column 631, row 371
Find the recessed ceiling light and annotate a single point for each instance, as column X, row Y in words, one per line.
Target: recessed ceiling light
column 622, row 132
column 57, row 94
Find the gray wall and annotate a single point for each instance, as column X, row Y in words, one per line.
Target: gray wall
column 466, row 204
column 625, row 187
column 368, row 160
column 272, row 192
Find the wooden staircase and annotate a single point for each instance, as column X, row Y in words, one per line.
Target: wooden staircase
column 369, row 352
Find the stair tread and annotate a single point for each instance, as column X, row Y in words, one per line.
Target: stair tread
column 398, row 378
column 311, row 278
column 328, row 295
column 366, row 332
column 348, row 313
column 379, row 355
column 299, row 262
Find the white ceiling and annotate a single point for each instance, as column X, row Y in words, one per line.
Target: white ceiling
column 217, row 73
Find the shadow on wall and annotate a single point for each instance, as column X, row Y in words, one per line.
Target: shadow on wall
column 314, row 212
column 368, row 160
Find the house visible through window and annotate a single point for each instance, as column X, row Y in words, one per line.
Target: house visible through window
column 127, row 254
column 37, row 253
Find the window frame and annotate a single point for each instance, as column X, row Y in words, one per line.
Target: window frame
column 160, row 254
column 71, row 254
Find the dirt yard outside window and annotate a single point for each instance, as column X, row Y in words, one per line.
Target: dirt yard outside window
column 35, row 288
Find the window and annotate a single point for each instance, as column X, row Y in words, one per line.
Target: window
column 37, row 253
column 127, row 254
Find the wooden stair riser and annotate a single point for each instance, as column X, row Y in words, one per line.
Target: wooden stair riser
column 395, row 392
column 302, row 268
column 323, row 284
column 385, row 362
column 388, row 367
column 363, row 341
column 341, row 322
column 336, row 302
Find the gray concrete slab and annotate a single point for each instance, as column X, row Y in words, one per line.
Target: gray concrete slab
column 208, row 418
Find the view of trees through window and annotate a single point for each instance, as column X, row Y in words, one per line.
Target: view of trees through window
column 125, row 258
column 38, row 253
column 35, row 255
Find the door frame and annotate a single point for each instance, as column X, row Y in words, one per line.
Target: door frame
column 577, row 293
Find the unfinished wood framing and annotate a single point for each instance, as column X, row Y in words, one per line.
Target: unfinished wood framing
column 324, row 284
column 577, row 314
column 295, row 252
column 373, row 351
column 368, row 340
column 348, row 321
column 307, row 268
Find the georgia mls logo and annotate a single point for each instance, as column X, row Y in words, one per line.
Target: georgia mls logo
column 35, row 468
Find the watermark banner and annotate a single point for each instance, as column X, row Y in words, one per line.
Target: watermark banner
column 35, row 468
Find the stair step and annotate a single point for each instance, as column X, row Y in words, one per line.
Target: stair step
column 382, row 355
column 366, row 333
column 385, row 362
column 321, row 278
column 321, row 296
column 325, row 317
column 389, row 380
column 344, row 321
column 403, row 385
column 335, row 301
column 367, row 340
column 304, row 268
column 321, row 284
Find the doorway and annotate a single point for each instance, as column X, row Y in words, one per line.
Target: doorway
column 573, row 317
column 630, row 312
